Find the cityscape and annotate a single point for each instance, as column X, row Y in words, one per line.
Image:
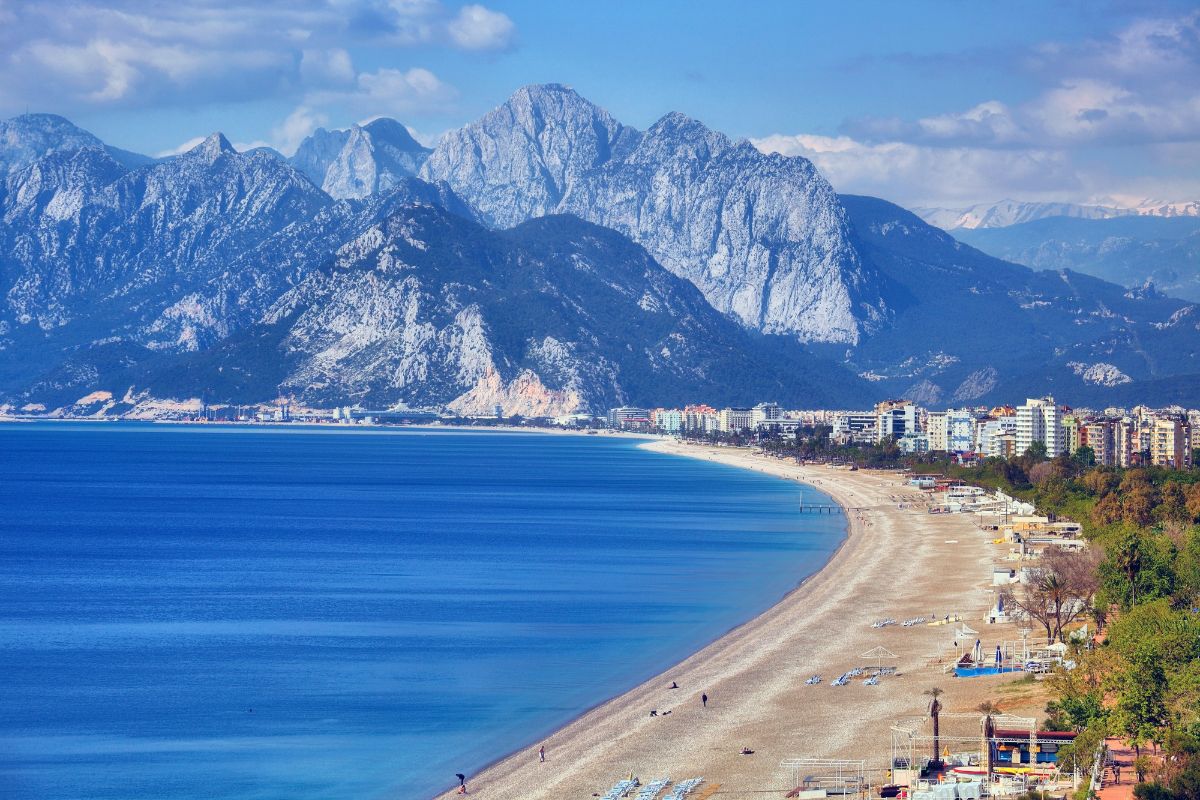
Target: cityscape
column 1114, row 437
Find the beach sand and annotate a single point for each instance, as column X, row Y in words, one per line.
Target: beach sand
column 898, row 563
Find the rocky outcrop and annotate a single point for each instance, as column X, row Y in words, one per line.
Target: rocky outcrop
column 361, row 161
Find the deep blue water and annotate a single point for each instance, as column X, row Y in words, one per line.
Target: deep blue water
column 193, row 612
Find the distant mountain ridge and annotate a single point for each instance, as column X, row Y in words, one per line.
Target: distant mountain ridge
column 1013, row 212
column 1129, row 250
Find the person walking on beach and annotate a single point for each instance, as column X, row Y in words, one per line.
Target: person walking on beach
column 704, row 700
column 462, row 782
column 542, row 754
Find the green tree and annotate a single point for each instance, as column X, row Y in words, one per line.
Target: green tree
column 1141, row 711
column 1084, row 457
column 1136, row 568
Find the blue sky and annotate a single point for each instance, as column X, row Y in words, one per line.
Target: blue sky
column 925, row 103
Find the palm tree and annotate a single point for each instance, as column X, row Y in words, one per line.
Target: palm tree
column 988, row 709
column 935, row 708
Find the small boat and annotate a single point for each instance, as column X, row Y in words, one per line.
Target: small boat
column 871, row 681
column 814, row 680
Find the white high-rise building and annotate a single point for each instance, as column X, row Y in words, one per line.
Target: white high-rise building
column 938, row 430
column 1039, row 420
column 763, row 414
column 894, row 418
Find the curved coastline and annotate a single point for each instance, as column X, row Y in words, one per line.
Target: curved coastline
column 668, row 447
column 754, row 672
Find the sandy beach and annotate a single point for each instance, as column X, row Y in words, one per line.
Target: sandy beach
column 897, row 562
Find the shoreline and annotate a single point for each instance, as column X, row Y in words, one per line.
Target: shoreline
column 749, row 670
column 656, row 444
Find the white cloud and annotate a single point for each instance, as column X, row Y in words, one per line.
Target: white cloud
column 128, row 53
column 326, row 67
column 287, row 135
column 388, row 92
column 1106, row 108
column 183, row 148
column 1139, row 86
column 916, row 175
column 479, row 28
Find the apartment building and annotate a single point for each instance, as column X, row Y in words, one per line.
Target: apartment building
column 1039, row 420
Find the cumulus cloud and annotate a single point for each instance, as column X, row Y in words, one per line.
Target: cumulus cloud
column 1137, row 90
column 124, row 53
column 287, row 135
column 916, row 175
column 479, row 28
column 390, row 91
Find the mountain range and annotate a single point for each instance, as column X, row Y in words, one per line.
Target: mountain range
column 1130, row 250
column 1014, row 212
column 1151, row 243
column 545, row 258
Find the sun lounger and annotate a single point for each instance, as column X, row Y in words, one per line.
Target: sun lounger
column 684, row 788
column 651, row 789
column 619, row 789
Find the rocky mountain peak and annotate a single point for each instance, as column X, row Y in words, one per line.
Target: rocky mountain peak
column 763, row 237
column 361, row 160
column 390, row 132
column 25, row 139
column 212, row 148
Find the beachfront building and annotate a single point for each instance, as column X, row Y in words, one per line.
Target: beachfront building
column 764, row 414
column 1036, row 533
column 1071, row 424
column 1039, row 420
column 668, row 420
column 995, row 437
column 735, row 420
column 1132, row 444
column 629, row 418
column 894, row 418
column 699, row 419
column 960, row 429
column 913, row 442
column 854, row 427
column 937, row 430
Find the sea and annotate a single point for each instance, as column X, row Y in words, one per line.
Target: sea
column 196, row 611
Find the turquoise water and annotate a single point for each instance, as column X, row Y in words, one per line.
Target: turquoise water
column 195, row 612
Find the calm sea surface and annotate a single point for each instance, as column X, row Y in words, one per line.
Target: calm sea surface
column 210, row 613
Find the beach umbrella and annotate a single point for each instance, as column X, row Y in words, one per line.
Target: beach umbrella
column 998, row 658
